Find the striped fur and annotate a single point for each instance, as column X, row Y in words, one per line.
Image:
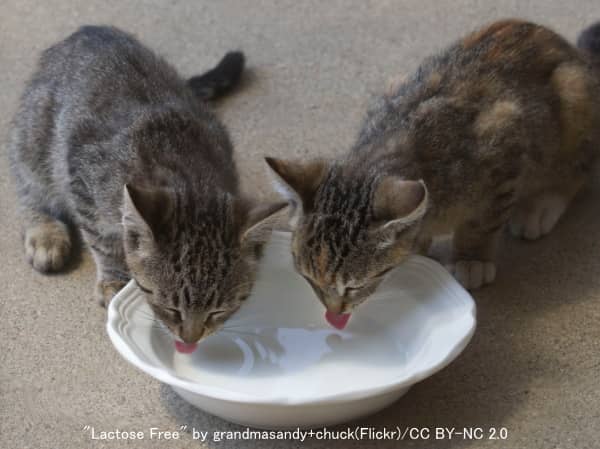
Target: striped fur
column 103, row 112
column 502, row 126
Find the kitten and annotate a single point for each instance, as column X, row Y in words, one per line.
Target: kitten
column 110, row 138
column 500, row 128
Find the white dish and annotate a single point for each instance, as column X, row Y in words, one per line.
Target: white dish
column 279, row 364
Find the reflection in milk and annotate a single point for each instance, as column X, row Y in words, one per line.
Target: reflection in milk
column 276, row 351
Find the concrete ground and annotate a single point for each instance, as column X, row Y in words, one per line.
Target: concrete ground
column 533, row 364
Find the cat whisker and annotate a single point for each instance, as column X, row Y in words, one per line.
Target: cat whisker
column 152, row 320
column 248, row 334
column 236, row 325
column 145, row 314
column 163, row 330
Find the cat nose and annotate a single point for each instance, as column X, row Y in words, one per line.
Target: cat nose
column 334, row 304
column 192, row 337
column 191, row 332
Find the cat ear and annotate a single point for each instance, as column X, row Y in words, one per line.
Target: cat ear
column 258, row 220
column 398, row 203
column 145, row 209
column 297, row 182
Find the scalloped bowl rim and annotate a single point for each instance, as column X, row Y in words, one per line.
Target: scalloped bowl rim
column 361, row 392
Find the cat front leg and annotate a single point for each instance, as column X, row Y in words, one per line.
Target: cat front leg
column 536, row 216
column 474, row 253
column 112, row 271
column 476, row 238
column 47, row 241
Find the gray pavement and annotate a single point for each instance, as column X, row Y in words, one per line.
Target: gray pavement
column 533, row 364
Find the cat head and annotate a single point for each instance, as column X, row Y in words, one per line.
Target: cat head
column 196, row 263
column 349, row 228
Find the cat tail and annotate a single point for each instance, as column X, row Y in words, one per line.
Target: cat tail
column 589, row 42
column 220, row 80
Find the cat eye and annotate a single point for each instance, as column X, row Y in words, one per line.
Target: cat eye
column 216, row 314
column 174, row 314
column 351, row 292
column 383, row 273
column 378, row 276
column 144, row 289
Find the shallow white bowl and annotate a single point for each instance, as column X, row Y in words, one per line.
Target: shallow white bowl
column 279, row 364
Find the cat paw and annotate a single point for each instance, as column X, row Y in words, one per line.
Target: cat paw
column 106, row 290
column 473, row 274
column 537, row 221
column 47, row 246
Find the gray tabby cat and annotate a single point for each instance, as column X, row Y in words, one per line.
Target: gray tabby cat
column 110, row 138
column 500, row 128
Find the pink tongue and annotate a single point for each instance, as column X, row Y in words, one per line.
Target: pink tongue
column 185, row 348
column 338, row 321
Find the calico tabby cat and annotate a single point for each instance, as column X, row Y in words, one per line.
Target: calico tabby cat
column 110, row 138
column 500, row 128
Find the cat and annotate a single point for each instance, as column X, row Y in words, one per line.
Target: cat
column 499, row 129
column 109, row 138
